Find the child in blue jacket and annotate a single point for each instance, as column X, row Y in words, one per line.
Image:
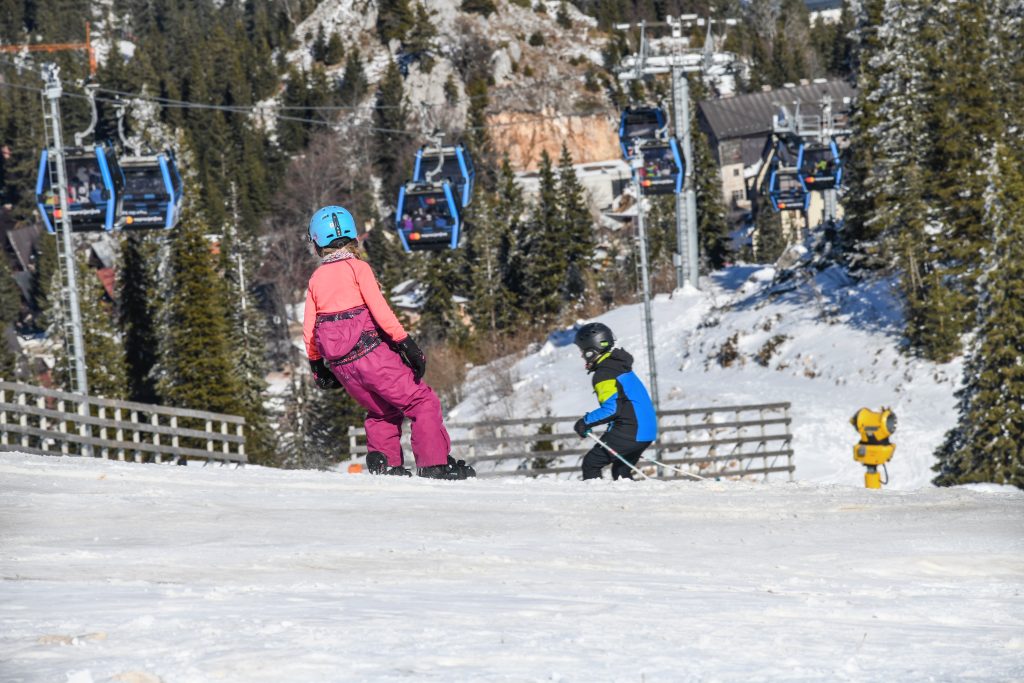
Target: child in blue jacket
column 624, row 402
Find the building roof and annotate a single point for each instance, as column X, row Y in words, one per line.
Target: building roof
column 751, row 115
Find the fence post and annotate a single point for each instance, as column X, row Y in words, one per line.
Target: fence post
column 154, row 421
column 788, row 442
column 136, row 436
column 84, row 428
column 119, row 432
column 240, row 431
column 3, row 419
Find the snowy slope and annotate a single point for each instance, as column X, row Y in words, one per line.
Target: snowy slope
column 838, row 352
column 143, row 573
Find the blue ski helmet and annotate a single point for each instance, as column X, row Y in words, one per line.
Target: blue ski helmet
column 329, row 224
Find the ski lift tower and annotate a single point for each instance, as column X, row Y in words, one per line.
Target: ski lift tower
column 681, row 61
column 70, row 310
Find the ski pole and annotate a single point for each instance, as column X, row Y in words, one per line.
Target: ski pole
column 616, row 454
column 680, row 470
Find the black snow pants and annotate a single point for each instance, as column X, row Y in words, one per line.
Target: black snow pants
column 598, row 457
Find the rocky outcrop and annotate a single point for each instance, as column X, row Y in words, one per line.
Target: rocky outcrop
column 524, row 135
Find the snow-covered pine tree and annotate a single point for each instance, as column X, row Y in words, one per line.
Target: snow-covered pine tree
column 248, row 329
column 963, row 119
column 495, row 218
column 859, row 232
column 987, row 445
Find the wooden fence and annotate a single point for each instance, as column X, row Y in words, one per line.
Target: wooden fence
column 720, row 441
column 48, row 422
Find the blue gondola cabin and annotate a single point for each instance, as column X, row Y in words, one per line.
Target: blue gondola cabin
column 452, row 165
column 427, row 217
column 152, row 193
column 662, row 169
column 820, row 166
column 786, row 191
column 638, row 125
column 95, row 184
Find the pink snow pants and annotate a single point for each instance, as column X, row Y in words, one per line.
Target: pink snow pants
column 384, row 385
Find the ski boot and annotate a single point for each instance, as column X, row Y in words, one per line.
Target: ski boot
column 377, row 463
column 453, row 469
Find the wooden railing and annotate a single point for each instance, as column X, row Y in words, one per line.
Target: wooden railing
column 48, row 422
column 720, row 442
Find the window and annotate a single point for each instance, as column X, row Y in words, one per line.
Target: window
column 735, row 172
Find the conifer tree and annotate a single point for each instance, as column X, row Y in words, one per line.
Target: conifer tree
column 334, row 51
column 987, row 445
column 963, row 118
column 138, row 310
column 354, row 85
column 196, row 359
column 576, row 233
column 248, row 329
column 10, row 311
column 495, row 220
column 712, row 225
column 478, row 140
column 543, row 266
column 769, row 242
column 860, row 202
column 44, row 269
column 421, row 35
column 394, row 19
column 439, row 320
column 389, row 117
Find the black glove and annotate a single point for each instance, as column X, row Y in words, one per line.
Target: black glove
column 324, row 378
column 581, row 427
column 412, row 356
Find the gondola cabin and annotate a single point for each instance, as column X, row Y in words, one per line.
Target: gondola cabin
column 638, row 124
column 95, row 184
column 152, row 192
column 661, row 170
column 453, row 165
column 427, row 217
column 786, row 191
column 820, row 166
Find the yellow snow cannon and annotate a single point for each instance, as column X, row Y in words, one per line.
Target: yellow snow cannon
column 874, row 449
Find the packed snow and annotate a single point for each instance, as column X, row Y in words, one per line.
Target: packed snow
column 127, row 572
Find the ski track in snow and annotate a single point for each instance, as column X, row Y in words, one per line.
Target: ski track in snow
column 125, row 572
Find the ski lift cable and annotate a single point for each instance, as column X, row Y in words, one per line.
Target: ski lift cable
column 183, row 104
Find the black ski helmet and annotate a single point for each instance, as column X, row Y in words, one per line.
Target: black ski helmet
column 594, row 339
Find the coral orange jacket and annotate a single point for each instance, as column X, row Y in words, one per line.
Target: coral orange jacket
column 340, row 285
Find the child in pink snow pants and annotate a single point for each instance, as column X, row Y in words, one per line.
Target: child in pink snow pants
column 353, row 339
